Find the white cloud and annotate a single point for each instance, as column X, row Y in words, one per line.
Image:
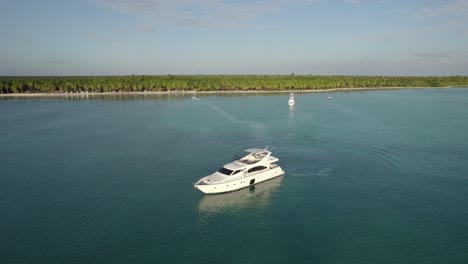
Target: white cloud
column 353, row 2
column 101, row 37
column 440, row 55
column 457, row 8
column 145, row 28
column 428, row 65
column 196, row 12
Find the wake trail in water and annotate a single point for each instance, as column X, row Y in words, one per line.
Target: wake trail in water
column 259, row 130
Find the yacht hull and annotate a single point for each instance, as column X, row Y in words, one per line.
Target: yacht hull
column 239, row 183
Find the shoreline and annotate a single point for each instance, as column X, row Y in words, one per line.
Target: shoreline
column 222, row 92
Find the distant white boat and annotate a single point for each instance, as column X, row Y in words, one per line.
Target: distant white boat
column 328, row 98
column 257, row 166
column 291, row 101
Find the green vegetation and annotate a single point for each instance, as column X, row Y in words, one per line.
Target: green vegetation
column 141, row 83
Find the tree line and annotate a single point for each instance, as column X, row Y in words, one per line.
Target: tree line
column 140, row 83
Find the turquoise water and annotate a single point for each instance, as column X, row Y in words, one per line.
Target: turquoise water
column 371, row 177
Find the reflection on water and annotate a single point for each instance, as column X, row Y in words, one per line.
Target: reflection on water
column 291, row 115
column 256, row 196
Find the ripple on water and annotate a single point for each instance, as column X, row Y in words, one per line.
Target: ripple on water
column 351, row 194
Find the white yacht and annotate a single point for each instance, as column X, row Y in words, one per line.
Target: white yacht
column 291, row 100
column 257, row 166
column 245, row 198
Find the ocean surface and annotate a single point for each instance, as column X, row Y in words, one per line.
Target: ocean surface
column 371, row 177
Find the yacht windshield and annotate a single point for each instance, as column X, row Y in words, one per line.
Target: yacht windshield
column 225, row 171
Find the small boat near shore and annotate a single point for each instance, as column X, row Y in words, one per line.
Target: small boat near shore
column 291, row 101
column 328, row 97
column 256, row 167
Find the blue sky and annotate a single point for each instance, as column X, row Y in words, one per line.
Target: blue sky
column 121, row 37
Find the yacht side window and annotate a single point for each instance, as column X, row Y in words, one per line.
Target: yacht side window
column 258, row 168
column 225, row 171
column 235, row 172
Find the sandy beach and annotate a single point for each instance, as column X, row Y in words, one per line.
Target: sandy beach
column 218, row 92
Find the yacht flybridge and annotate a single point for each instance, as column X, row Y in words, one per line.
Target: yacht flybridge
column 257, row 166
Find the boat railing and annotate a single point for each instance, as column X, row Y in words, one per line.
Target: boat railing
column 255, row 157
column 249, row 161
